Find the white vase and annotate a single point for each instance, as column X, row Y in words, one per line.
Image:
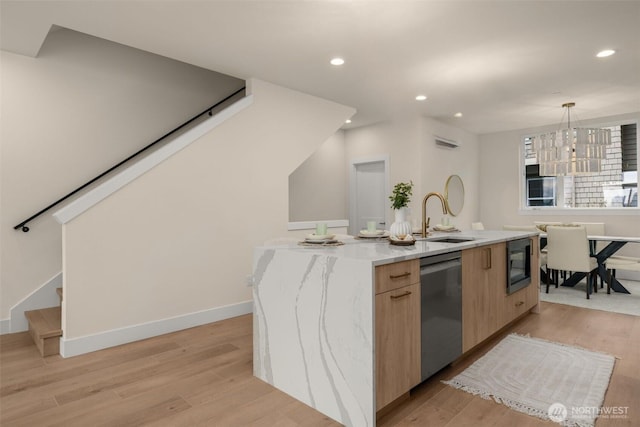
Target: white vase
column 400, row 225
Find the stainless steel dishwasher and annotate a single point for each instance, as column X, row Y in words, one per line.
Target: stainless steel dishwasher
column 441, row 311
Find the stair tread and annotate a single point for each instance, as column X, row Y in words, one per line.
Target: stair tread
column 59, row 291
column 46, row 322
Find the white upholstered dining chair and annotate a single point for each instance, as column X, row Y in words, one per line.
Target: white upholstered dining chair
column 614, row 263
column 595, row 229
column 568, row 250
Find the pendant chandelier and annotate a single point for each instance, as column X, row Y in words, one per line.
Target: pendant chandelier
column 571, row 151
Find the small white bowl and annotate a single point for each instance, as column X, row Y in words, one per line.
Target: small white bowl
column 320, row 236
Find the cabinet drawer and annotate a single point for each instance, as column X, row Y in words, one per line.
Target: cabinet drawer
column 515, row 305
column 397, row 275
column 519, row 303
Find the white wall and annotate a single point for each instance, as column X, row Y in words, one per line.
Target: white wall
column 398, row 140
column 414, row 156
column 180, row 239
column 83, row 105
column 500, row 188
column 318, row 187
column 439, row 163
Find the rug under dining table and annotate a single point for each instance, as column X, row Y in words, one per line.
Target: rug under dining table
column 548, row 380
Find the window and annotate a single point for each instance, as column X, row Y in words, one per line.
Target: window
column 541, row 191
column 616, row 186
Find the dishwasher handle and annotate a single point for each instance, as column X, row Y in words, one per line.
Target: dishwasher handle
column 441, row 266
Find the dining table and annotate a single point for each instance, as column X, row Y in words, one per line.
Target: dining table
column 614, row 245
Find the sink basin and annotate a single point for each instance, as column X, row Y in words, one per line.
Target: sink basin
column 450, row 239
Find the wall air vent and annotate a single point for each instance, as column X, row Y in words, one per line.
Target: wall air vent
column 447, row 143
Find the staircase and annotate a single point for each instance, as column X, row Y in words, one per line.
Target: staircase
column 45, row 325
column 45, row 328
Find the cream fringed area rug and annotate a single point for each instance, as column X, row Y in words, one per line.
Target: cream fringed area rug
column 548, row 380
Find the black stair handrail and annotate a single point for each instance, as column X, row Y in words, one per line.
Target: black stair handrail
column 209, row 111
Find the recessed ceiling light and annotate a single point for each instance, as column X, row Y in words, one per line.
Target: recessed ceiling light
column 347, row 121
column 337, row 61
column 605, row 53
column 421, row 97
column 457, row 114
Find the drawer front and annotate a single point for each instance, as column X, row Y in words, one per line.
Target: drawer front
column 519, row 303
column 516, row 305
column 397, row 275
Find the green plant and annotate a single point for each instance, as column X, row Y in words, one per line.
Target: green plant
column 401, row 195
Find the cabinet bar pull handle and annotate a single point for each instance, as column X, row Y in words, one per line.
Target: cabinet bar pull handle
column 519, row 303
column 400, row 276
column 487, row 258
column 401, row 295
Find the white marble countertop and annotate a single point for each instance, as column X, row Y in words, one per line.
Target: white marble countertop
column 380, row 251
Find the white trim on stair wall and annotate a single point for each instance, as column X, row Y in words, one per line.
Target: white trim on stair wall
column 43, row 297
column 87, row 344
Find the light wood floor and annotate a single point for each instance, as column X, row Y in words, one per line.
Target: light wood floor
column 203, row 376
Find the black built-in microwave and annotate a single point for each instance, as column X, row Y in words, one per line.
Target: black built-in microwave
column 518, row 264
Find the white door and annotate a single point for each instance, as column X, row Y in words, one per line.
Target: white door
column 368, row 195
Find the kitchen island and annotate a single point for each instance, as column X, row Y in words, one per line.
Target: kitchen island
column 315, row 324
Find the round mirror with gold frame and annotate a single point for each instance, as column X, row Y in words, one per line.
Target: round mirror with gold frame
column 454, row 195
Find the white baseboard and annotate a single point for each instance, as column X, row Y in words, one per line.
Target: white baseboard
column 43, row 297
column 5, row 326
column 87, row 344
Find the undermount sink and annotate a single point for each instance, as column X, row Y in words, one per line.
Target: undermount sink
column 450, row 239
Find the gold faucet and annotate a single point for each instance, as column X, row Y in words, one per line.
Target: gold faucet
column 425, row 219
